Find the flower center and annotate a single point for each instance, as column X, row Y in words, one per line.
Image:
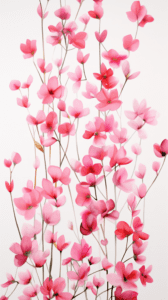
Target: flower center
column 114, row 58
column 125, row 279
column 88, row 196
column 109, row 101
column 30, row 207
column 27, row 253
column 96, row 133
column 163, row 153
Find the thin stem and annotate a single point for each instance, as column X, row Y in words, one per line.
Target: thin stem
column 77, row 139
column 105, row 181
column 13, row 290
column 99, row 244
column 73, row 211
column 37, row 70
column 125, row 249
column 128, row 259
column 60, row 263
column 15, row 217
column 96, row 272
column 51, row 260
column 65, row 152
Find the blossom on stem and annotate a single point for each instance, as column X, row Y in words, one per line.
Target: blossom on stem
column 137, row 12
column 138, row 235
column 58, row 175
column 7, row 163
column 98, row 282
column 29, row 49
column 63, row 13
column 24, row 102
column 70, row 28
column 28, row 83
column 144, row 275
column 131, row 200
column 140, row 259
column 31, row 291
column 80, row 274
column 40, row 258
column 81, row 58
column 50, row 124
column 66, row 129
column 156, row 166
column 30, row 230
column 89, row 223
column 98, row 153
column 108, row 100
column 40, row 118
column 118, row 157
column 50, row 91
column 123, row 230
column 77, row 76
column 146, row 19
column 95, row 130
column 126, row 70
column 41, row 65
column 128, row 295
column 84, row 19
column 61, row 244
column 107, row 79
column 10, row 281
column 46, row 288
column 16, row 158
column 78, row 40
column 139, row 110
column 24, row 277
column 80, row 251
column 15, row 85
column 89, row 167
column 50, row 217
column 58, row 287
column 162, row 149
column 101, row 36
column 91, row 91
column 129, row 43
column 141, row 171
column 9, row 186
column 120, row 136
column 84, row 196
column 106, row 264
column 77, row 110
column 97, row 13
column 114, row 58
column 53, row 193
column 50, row 237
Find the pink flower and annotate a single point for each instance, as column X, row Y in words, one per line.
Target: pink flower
column 141, row 191
column 129, row 43
column 95, row 130
column 162, row 149
column 50, row 91
column 58, row 287
column 29, row 49
column 75, row 165
column 7, row 163
column 50, row 217
column 137, row 12
column 92, row 180
column 118, row 156
column 80, row 251
column 61, row 105
column 26, row 249
column 40, row 12
column 81, row 58
column 31, row 291
column 16, row 158
column 104, row 242
column 40, row 258
column 136, row 149
column 50, row 124
column 89, row 167
column 47, row 142
column 98, row 153
column 56, row 37
column 4, row 298
column 84, row 196
column 101, row 37
column 139, row 110
column 137, row 125
column 27, row 84
column 46, row 288
column 125, row 277
column 77, row 110
column 106, row 264
column 70, row 27
column 24, row 102
column 15, row 85
column 58, row 175
column 50, row 237
column 106, row 210
column 89, row 286
column 80, row 274
column 10, row 281
column 150, row 117
column 78, row 40
column 97, row 13
column 84, row 19
column 141, row 171
column 106, row 77
column 98, row 282
column 31, row 231
column 140, row 259
column 123, row 230
column 40, row 118
column 51, row 192
column 144, row 275
column 156, row 166
column 94, row 260
column 36, row 164
column 41, row 65
column 108, row 100
column 89, row 223
column 26, row 205
column 126, row 70
column 9, row 186
column 66, row 129
column 91, row 91
column 138, row 234
column 77, row 76
column 120, row 136
column 63, row 13
column 146, row 19
column 24, row 277
column 61, row 244
column 114, row 58
column 128, row 295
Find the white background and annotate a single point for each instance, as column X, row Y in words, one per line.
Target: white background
column 20, row 21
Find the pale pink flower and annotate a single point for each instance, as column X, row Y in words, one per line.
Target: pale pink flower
column 108, row 100
column 50, row 91
column 136, row 149
column 84, row 19
column 78, row 40
column 140, row 191
column 58, row 175
column 70, row 27
column 29, row 49
column 40, row 258
column 156, row 166
column 7, row 163
column 50, row 237
column 106, row 264
column 81, row 58
column 137, row 12
column 15, row 85
column 47, row 142
column 41, row 65
column 139, row 110
column 120, row 136
column 101, row 36
column 31, row 231
column 98, row 282
column 28, row 83
column 16, row 158
column 58, row 287
column 121, row 181
column 77, row 76
column 96, row 130
column 80, row 251
column 126, row 70
column 31, row 291
column 141, row 171
column 63, row 13
column 50, row 217
column 67, row 129
column 61, row 244
column 132, row 202
column 80, row 274
column 25, row 277
column 24, row 102
column 77, row 110
column 129, row 43
column 40, row 12
column 140, row 259
column 40, row 118
column 91, row 91
column 146, row 19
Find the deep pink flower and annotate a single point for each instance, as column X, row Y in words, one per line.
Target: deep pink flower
column 50, row 91
column 26, row 249
column 16, row 158
column 27, row 84
column 7, row 163
column 78, row 40
column 108, row 100
column 41, row 65
column 84, row 196
column 114, row 58
column 58, row 175
column 77, row 76
column 95, row 130
column 63, row 13
column 107, row 79
column 126, row 70
column 106, row 210
column 26, row 205
column 123, row 230
column 89, row 223
column 77, row 110
column 144, row 275
column 80, row 274
column 89, row 167
column 58, row 287
column 53, row 193
column 50, row 237
column 24, row 102
column 101, row 37
column 4, row 298
column 138, row 234
column 129, row 43
column 128, row 295
column 9, row 186
column 29, row 49
column 31, row 231
column 40, row 118
column 50, row 124
column 98, row 153
column 84, row 19
column 146, row 19
column 91, row 91
column 25, row 277
column 80, row 251
column 10, row 281
column 70, row 28
column 97, row 13
column 81, row 58
column 50, row 217
column 15, row 85
column 137, row 12
column 162, row 149
column 66, row 129
column 125, row 277
column 118, row 157
column 61, row 244
column 140, row 259
column 40, row 258
column 106, row 264
column 46, row 288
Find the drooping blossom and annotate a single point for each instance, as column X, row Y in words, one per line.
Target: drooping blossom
column 58, row 175
column 77, row 110
column 132, row 202
column 28, row 83
column 66, row 129
column 162, row 149
column 58, row 287
column 108, row 100
column 50, row 237
column 119, row 136
column 91, row 91
column 41, row 65
column 107, row 79
column 95, row 130
column 31, row 291
column 84, row 196
column 50, row 91
column 150, row 117
column 26, row 249
column 89, row 285
column 80, row 251
column 98, row 282
column 61, row 244
column 78, row 40
column 114, row 58
column 16, row 158
column 156, row 166
column 50, row 124
column 123, row 230
column 15, row 85
column 125, row 276
column 61, row 105
column 126, row 70
column 94, row 260
column 101, row 36
column 138, row 235
column 53, row 193
column 9, row 186
column 84, row 19
column 30, row 230
column 146, row 19
column 106, row 264
column 40, row 118
column 70, row 28
column 137, row 12
column 127, row 295
column 77, row 76
column 80, row 274
column 97, row 13
column 24, row 102
column 40, row 12
column 89, row 223
column 89, row 167
column 137, row 251
column 29, row 49
column 136, row 149
column 129, row 43
column 10, row 281
column 40, row 258
column 24, row 277
column 118, row 157
column 50, row 217
column 63, row 13
column 144, row 275
column 139, row 110
column 141, row 171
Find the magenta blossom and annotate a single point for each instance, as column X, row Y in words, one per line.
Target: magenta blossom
column 114, row 58
column 97, row 13
column 129, row 43
column 137, row 12
column 108, row 100
column 53, row 193
column 95, row 130
column 144, row 275
column 80, row 251
column 106, row 77
column 29, row 49
column 50, row 124
column 63, row 13
column 128, row 295
column 80, row 274
column 146, row 19
column 118, row 157
column 89, row 223
column 50, row 91
column 89, row 167
column 162, row 149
